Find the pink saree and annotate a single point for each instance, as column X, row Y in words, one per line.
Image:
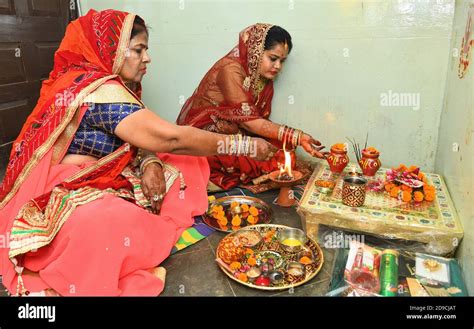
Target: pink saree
column 81, row 229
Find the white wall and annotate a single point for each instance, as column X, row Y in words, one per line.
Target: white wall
column 346, row 54
column 457, row 127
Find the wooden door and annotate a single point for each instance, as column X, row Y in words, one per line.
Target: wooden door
column 30, row 33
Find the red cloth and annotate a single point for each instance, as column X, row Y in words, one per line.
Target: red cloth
column 230, row 91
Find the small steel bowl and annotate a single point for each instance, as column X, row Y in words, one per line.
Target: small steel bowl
column 295, row 272
column 322, row 186
column 276, row 277
column 297, row 238
column 253, row 273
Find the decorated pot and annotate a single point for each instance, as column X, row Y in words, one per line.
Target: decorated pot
column 370, row 163
column 337, row 160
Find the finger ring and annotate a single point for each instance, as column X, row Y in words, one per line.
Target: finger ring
column 157, row 197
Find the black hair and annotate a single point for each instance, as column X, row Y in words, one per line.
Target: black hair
column 277, row 35
column 138, row 27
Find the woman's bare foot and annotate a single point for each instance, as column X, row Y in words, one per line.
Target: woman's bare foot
column 51, row 293
column 44, row 293
column 159, row 272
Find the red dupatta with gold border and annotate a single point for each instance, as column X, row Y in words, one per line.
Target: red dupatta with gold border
column 244, row 97
column 91, row 53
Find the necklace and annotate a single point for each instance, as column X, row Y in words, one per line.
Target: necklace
column 261, row 83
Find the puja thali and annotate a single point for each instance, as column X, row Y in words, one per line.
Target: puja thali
column 231, row 213
column 261, row 257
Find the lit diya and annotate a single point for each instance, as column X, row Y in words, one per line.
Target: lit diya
column 286, row 178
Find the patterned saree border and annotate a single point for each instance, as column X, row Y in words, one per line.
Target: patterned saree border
column 123, row 43
column 43, row 149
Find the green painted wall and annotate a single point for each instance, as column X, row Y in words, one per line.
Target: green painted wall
column 456, row 127
column 346, row 55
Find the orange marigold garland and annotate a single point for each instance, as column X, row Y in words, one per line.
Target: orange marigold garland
column 409, row 184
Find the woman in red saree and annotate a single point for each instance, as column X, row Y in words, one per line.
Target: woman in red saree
column 235, row 97
column 84, row 209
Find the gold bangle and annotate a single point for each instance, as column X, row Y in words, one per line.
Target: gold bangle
column 280, row 132
column 152, row 161
column 239, row 147
column 149, row 159
column 230, row 150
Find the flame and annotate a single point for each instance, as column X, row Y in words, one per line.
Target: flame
column 287, row 167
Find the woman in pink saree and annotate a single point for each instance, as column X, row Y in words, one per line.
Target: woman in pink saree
column 235, row 96
column 99, row 188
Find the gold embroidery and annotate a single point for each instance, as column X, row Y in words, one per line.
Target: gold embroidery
column 246, row 83
column 32, row 214
column 43, row 149
column 64, row 140
column 111, row 93
column 246, row 109
column 260, row 85
column 18, row 247
column 102, row 161
column 256, row 46
column 123, row 43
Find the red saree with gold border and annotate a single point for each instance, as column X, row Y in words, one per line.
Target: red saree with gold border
column 233, row 91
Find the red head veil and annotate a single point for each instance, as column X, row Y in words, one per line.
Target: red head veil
column 91, row 53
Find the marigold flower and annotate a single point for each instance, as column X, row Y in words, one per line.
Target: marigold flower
column 235, row 265
column 339, row 146
column 252, row 220
column 243, row 277
column 252, row 261
column 253, row 211
column 394, row 192
column 418, row 196
column 222, row 221
column 429, row 196
column 236, row 221
column 406, row 196
column 406, row 188
column 389, row 186
column 305, row 260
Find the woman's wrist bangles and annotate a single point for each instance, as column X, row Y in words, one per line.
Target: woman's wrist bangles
column 144, row 160
column 149, row 159
column 239, row 145
column 290, row 136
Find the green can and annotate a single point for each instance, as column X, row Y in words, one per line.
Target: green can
column 389, row 273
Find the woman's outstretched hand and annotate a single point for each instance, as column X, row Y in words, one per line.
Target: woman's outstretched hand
column 313, row 147
column 261, row 150
column 154, row 186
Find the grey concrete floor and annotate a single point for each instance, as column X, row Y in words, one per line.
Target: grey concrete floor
column 194, row 272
